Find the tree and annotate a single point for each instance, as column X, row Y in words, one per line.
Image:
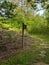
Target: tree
column 7, row 9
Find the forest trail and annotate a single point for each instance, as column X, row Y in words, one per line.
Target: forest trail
column 11, row 44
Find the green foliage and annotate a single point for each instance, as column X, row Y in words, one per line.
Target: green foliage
column 37, row 24
column 9, row 8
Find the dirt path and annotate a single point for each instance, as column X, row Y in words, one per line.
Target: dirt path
column 40, row 63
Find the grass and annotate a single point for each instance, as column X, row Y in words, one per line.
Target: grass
column 41, row 36
column 46, row 58
column 28, row 57
column 24, row 58
column 45, row 39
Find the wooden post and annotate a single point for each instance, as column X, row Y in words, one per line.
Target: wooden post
column 23, row 27
column 22, row 36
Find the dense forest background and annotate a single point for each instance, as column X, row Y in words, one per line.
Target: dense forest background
column 29, row 46
column 13, row 14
